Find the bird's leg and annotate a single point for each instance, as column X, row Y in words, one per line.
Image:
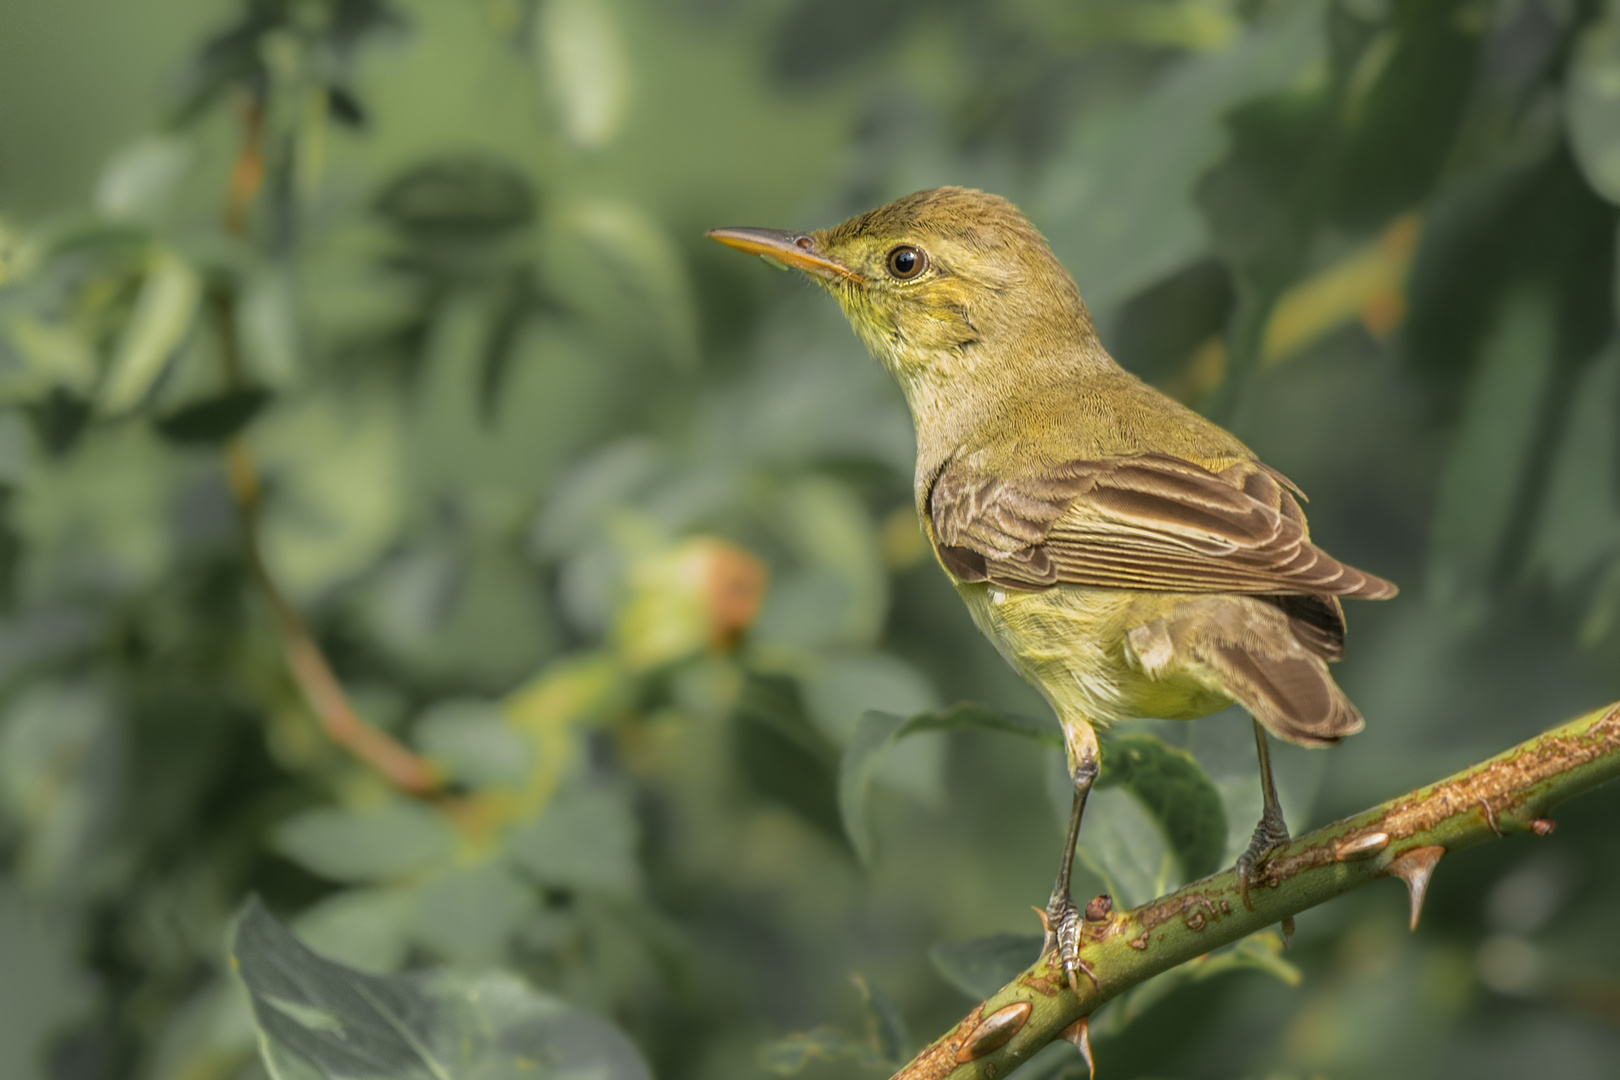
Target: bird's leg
column 1272, row 830
column 1062, row 918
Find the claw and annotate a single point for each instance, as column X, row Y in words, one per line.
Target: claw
column 1079, row 1033
column 1415, row 868
column 1072, row 964
column 1062, row 923
column 1269, row 835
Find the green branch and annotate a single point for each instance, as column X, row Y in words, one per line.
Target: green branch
column 1405, row 837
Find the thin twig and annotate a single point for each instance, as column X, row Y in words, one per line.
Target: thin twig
column 306, row 663
column 1126, row 948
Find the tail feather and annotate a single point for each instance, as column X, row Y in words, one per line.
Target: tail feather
column 1317, row 622
column 1293, row 697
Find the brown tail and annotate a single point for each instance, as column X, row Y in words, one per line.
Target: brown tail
column 1293, row 697
column 1270, row 654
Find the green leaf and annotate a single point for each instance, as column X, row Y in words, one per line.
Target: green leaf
column 319, row 1020
column 470, row 195
column 341, row 487
column 471, row 740
column 215, row 419
column 839, row 689
column 1579, row 526
column 1258, row 952
column 841, row 595
column 579, row 53
column 397, row 837
column 617, row 264
column 163, row 314
column 44, row 990
column 1174, row 788
column 1120, row 842
column 984, row 965
column 61, row 757
column 137, row 183
column 1119, row 201
column 468, row 914
column 878, row 731
column 1489, row 454
column 784, row 756
column 585, row 839
column 792, row 1055
column 53, row 355
column 886, row 1029
column 367, row 929
column 1592, row 104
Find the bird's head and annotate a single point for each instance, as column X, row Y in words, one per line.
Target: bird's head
column 945, row 286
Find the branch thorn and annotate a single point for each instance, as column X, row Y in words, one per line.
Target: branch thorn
column 1079, row 1033
column 1415, row 868
column 1543, row 826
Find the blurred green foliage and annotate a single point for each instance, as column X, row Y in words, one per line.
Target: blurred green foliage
column 615, row 529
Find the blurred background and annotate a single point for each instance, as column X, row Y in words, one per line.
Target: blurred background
column 383, row 336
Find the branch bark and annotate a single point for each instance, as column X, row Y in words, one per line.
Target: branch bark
column 1510, row 793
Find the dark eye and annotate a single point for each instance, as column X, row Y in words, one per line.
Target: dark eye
column 906, row 262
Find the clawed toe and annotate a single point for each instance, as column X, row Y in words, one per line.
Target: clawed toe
column 1270, row 834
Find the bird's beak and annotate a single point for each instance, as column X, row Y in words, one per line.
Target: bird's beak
column 786, row 249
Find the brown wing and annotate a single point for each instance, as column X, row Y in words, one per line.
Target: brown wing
column 1148, row 521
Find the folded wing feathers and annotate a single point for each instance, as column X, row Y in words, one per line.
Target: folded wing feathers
column 1146, row 522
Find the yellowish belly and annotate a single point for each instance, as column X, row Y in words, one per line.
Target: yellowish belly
column 1070, row 643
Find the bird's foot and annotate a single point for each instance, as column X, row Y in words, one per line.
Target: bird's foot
column 1270, row 834
column 1062, row 922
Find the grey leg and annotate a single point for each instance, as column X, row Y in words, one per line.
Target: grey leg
column 1272, row 831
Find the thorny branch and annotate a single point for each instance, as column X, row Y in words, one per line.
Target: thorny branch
column 1405, row 837
column 306, row 663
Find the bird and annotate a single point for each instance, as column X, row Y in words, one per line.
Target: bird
column 1127, row 556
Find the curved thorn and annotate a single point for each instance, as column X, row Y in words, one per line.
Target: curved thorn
column 1079, row 1033
column 1415, row 868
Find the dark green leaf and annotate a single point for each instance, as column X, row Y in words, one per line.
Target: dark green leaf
column 396, row 837
column 877, row 731
column 1258, row 952
column 345, row 107
column 984, row 965
column 585, row 839
column 784, row 756
column 58, row 419
column 214, row 419
column 1178, row 793
column 467, row 195
column 317, row 1019
column 885, row 1026
column 793, row 1054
